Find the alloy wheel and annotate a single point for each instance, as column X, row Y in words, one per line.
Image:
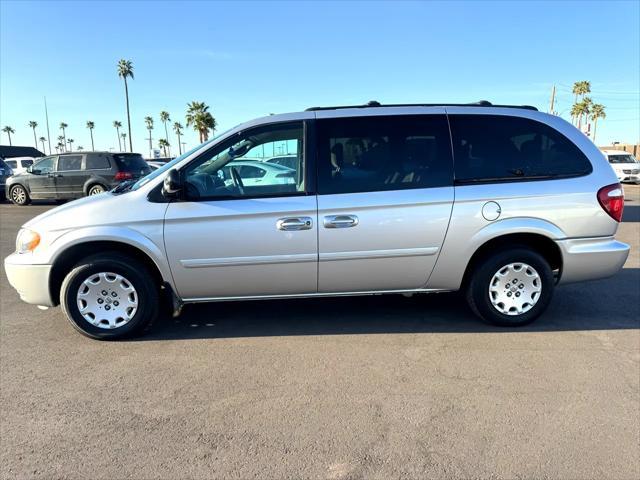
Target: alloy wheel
column 515, row 288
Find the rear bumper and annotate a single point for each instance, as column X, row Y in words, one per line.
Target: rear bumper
column 591, row 258
column 30, row 281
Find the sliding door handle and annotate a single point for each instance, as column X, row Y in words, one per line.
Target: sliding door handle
column 340, row 221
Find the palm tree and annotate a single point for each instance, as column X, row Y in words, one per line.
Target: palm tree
column 63, row 126
column 200, row 118
column 597, row 111
column 177, row 127
column 91, row 125
column 42, row 140
column 124, row 140
column 33, row 126
column 582, row 110
column 117, row 125
column 163, row 144
column 61, row 142
column 80, row 148
column 149, row 123
column 8, row 130
column 125, row 69
column 70, row 142
column 580, row 89
column 164, row 118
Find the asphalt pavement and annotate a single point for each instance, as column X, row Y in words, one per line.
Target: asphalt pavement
column 369, row 387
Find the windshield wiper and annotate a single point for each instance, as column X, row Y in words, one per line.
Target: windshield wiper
column 124, row 186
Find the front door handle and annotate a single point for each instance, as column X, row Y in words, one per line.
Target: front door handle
column 294, row 223
column 340, row 221
column 54, row 175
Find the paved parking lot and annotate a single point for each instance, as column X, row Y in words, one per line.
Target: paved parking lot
column 370, row 387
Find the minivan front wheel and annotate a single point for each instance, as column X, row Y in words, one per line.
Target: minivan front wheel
column 109, row 296
column 511, row 288
column 19, row 195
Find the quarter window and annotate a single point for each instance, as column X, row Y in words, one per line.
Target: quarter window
column 496, row 147
column 69, row 162
column 96, row 162
column 240, row 167
column 368, row 154
column 45, row 165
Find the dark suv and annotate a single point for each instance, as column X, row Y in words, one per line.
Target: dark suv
column 74, row 175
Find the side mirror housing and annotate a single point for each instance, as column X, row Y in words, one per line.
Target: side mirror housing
column 171, row 185
column 34, row 171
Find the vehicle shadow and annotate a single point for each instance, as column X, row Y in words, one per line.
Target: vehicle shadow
column 601, row 305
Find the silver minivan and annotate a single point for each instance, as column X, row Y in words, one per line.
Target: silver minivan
column 502, row 202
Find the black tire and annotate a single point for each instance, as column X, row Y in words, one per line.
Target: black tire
column 135, row 273
column 478, row 295
column 18, row 195
column 96, row 188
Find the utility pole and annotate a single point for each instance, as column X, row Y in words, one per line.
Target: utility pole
column 553, row 100
column 46, row 113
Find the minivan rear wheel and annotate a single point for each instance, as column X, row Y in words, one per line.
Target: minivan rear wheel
column 109, row 296
column 511, row 288
column 19, row 195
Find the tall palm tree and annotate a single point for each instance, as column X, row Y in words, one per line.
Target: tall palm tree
column 42, row 140
column 80, row 148
column 33, row 126
column 177, row 127
column 149, row 123
column 63, row 126
column 61, row 142
column 124, row 141
column 200, row 118
column 8, row 130
column 583, row 109
column 597, row 111
column 163, row 144
column 125, row 69
column 70, row 142
column 164, row 118
column 91, row 125
column 117, row 125
column 580, row 89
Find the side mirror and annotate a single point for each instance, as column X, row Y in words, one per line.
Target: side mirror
column 35, row 171
column 171, row 185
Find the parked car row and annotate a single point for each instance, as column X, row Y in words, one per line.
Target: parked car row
column 625, row 165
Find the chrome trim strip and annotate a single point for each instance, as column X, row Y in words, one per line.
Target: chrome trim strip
column 312, row 295
column 373, row 254
column 241, row 261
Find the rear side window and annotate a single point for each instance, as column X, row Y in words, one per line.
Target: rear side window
column 10, row 163
column 69, row 162
column 504, row 148
column 96, row 162
column 131, row 162
column 367, row 154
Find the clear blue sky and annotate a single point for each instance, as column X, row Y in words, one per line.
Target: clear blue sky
column 249, row 59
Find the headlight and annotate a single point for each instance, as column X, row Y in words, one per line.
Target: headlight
column 27, row 240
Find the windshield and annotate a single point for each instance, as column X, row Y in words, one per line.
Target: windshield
column 622, row 159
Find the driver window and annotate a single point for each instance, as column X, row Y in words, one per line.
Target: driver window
column 45, row 165
column 250, row 165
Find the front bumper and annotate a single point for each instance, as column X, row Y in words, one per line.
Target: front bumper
column 591, row 258
column 31, row 281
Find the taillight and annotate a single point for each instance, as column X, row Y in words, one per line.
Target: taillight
column 611, row 199
column 123, row 176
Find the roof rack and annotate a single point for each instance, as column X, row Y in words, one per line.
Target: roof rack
column 374, row 103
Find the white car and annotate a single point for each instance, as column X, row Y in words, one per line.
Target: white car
column 19, row 164
column 625, row 165
column 254, row 173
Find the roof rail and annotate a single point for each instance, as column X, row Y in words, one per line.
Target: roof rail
column 374, row 104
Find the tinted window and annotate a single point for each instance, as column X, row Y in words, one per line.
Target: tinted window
column 492, row 147
column 69, row 162
column 368, row 154
column 622, row 159
column 45, row 165
column 96, row 162
column 26, row 163
column 239, row 166
column 130, row 162
column 11, row 163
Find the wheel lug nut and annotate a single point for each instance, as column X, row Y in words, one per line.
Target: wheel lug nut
column 116, row 303
column 114, row 294
column 100, row 300
column 517, row 294
column 107, row 307
column 509, row 294
column 104, row 292
column 521, row 285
